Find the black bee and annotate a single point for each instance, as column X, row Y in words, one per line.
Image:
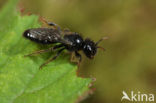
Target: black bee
column 71, row 41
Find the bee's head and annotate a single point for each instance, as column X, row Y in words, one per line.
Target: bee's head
column 90, row 48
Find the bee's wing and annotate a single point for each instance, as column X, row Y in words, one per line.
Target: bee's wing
column 44, row 35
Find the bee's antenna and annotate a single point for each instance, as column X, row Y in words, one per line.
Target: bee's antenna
column 104, row 38
column 101, row 48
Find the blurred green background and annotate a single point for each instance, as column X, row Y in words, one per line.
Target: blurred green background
column 129, row 62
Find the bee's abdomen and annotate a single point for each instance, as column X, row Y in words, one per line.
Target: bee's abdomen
column 41, row 35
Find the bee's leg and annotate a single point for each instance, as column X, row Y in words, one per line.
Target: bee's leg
column 38, row 52
column 78, row 56
column 71, row 57
column 78, row 63
column 47, row 23
column 57, row 46
column 66, row 31
column 50, row 24
column 45, row 50
column 51, row 59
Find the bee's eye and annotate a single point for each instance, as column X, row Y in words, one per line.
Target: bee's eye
column 89, row 48
column 89, row 51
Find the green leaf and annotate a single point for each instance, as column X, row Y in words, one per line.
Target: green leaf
column 21, row 81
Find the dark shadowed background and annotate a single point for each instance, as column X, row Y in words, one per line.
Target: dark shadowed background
column 129, row 62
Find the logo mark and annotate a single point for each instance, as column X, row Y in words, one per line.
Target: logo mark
column 125, row 96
